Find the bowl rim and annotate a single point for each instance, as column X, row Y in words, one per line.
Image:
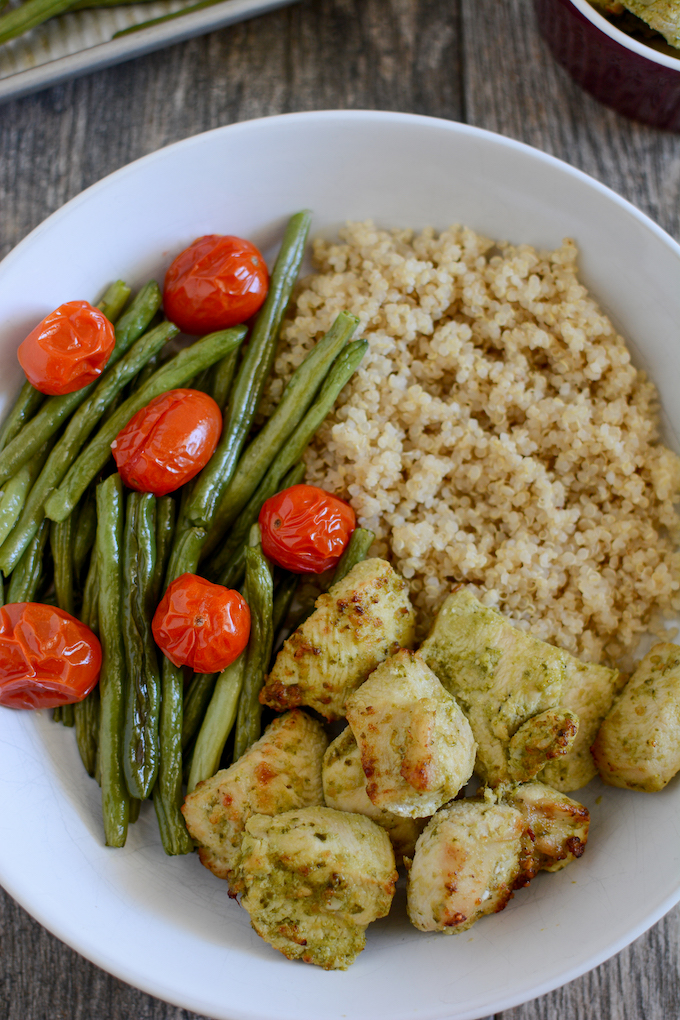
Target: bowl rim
column 63, row 927
column 600, row 22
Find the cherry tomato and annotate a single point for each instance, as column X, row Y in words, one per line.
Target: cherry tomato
column 68, row 349
column 201, row 624
column 306, row 529
column 168, row 442
column 215, row 283
column 47, row 657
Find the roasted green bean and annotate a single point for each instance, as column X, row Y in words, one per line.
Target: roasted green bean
column 114, row 300
column 86, row 714
column 291, row 409
column 141, row 753
column 25, row 406
column 356, row 551
column 175, row 373
column 222, row 378
column 212, row 482
column 218, row 723
column 259, row 596
column 112, row 680
column 26, row 576
column 196, row 701
column 341, row 372
column 229, row 564
column 61, row 542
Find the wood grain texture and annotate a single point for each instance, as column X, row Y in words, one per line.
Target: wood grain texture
column 481, row 61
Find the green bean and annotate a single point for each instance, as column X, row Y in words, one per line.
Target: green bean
column 218, row 723
column 26, row 576
column 196, row 701
column 143, row 691
column 112, row 680
column 68, row 447
column 86, row 714
column 165, row 530
column 357, row 549
column 25, row 406
column 283, row 599
column 114, row 300
column 86, row 530
column 255, row 366
column 175, row 373
column 222, row 378
column 30, row 14
column 201, row 381
column 259, row 596
column 167, row 793
column 135, row 808
column 61, row 541
column 341, row 372
column 89, row 613
column 151, row 366
column 67, row 716
column 295, row 402
column 56, row 714
column 229, row 564
column 16, row 491
column 55, row 410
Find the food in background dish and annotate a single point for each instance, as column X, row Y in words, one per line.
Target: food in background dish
column 651, row 21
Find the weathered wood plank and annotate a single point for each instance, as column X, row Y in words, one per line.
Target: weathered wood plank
column 475, row 60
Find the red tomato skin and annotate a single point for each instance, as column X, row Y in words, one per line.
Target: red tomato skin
column 67, row 350
column 47, row 657
column 217, row 282
column 306, row 529
column 201, row 624
column 167, row 442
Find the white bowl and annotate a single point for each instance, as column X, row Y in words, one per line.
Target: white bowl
column 166, row 924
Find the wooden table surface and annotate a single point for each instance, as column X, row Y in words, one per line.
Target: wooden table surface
column 478, row 61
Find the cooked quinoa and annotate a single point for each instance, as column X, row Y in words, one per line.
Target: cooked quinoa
column 495, row 433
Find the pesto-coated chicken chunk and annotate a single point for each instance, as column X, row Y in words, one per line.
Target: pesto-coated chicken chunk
column 282, row 770
column 533, row 708
column 416, row 746
column 465, row 865
column 313, row 880
column 638, row 746
column 344, row 788
column 555, row 829
column 357, row 624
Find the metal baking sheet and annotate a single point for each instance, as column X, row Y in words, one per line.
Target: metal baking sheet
column 80, row 42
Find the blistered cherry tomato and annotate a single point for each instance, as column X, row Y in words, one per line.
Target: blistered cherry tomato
column 201, row 624
column 306, row 529
column 217, row 282
column 68, row 349
column 168, row 442
column 47, row 657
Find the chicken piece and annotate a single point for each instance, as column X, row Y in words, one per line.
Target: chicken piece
column 281, row 771
column 555, row 829
column 549, row 735
column 358, row 623
column 313, row 880
column 416, row 746
column 638, row 745
column 503, row 677
column 344, row 788
column 465, row 865
column 661, row 15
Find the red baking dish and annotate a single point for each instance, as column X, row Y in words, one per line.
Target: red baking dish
column 632, row 78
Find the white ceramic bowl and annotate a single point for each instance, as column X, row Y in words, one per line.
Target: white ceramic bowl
column 166, row 924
